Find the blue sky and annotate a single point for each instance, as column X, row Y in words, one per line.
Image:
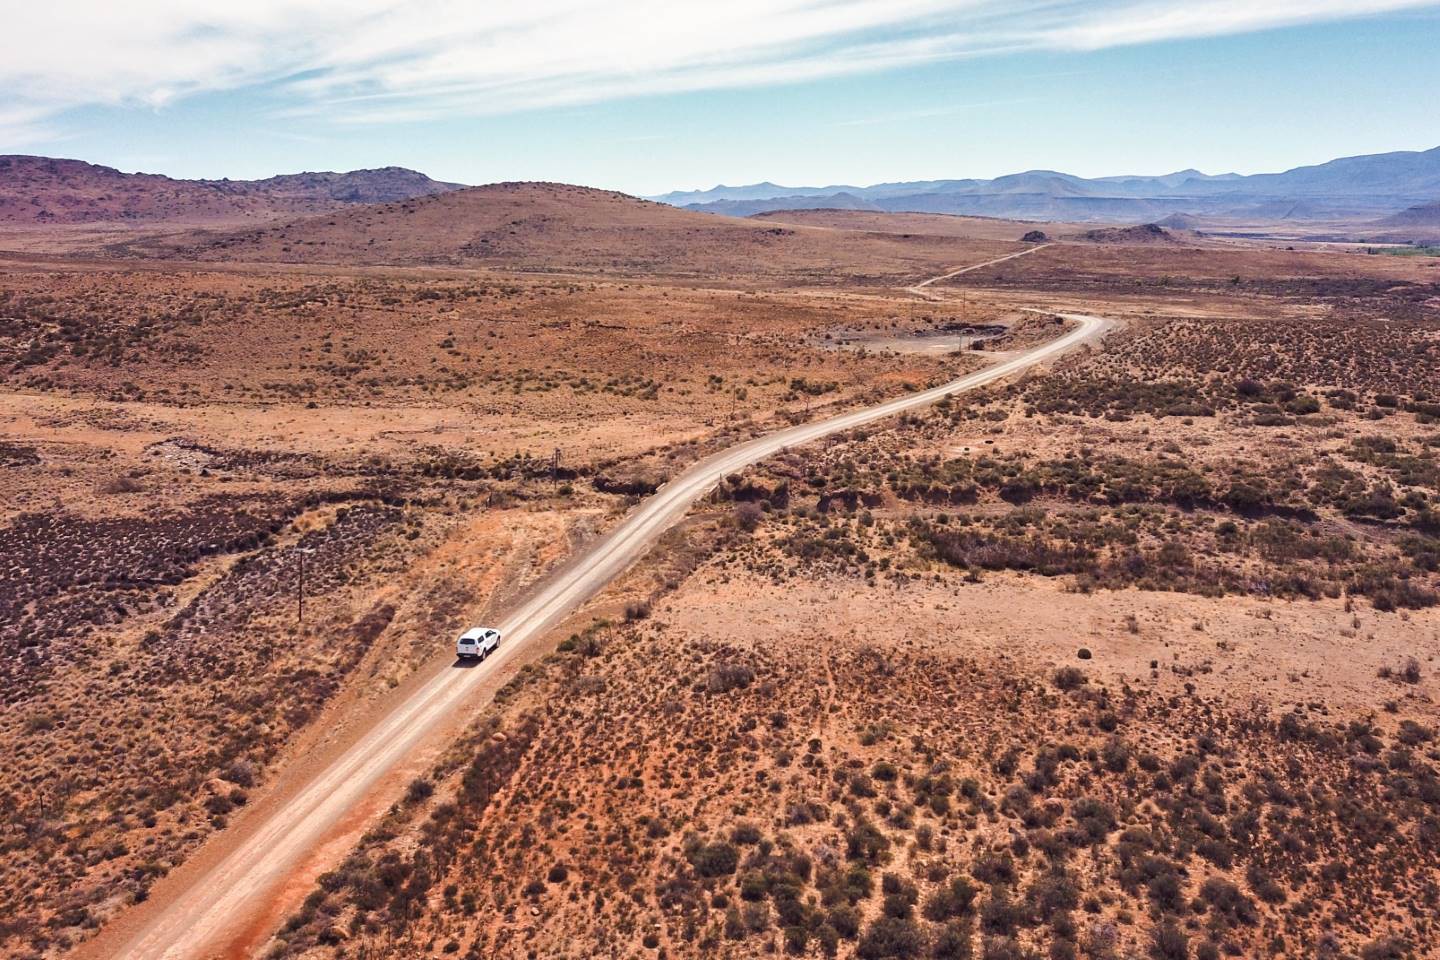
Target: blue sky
column 645, row 96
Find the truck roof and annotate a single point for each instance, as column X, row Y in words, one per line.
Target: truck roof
column 476, row 633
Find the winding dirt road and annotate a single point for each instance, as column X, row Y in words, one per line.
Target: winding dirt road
column 919, row 288
column 224, row 911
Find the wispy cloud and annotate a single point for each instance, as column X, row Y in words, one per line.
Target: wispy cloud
column 23, row 126
column 376, row 61
column 929, row 113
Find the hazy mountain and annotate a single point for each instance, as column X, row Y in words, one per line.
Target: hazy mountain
column 1351, row 187
column 755, row 191
column 1421, row 215
column 829, row 201
column 1403, row 174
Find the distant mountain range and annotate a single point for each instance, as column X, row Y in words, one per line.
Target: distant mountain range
column 44, row 190
column 1388, row 196
column 1351, row 188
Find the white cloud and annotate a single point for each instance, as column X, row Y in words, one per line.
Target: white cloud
column 24, row 126
column 379, row 60
column 1164, row 20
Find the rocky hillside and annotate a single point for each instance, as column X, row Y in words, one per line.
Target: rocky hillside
column 44, row 190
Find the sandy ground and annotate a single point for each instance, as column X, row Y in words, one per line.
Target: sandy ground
column 1274, row 653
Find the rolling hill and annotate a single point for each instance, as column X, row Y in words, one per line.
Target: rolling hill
column 1419, row 224
column 1420, row 215
column 557, row 227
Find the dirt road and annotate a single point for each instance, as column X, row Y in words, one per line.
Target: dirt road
column 919, row 288
column 223, row 912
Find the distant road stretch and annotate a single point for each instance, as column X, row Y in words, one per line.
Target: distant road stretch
column 919, row 288
column 216, row 914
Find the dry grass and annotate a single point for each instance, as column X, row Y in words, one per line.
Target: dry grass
column 844, row 799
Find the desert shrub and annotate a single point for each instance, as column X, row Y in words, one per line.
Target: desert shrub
column 1116, row 755
column 1411, row 671
column 1053, row 894
column 1168, row 942
column 796, row 937
column 1386, row 948
column 716, row 859
column 745, row 834
column 1165, row 891
column 1001, row 915
column 121, row 485
column 757, row 916
column 240, row 772
column 897, row 906
column 724, row 677
column 890, row 937
column 952, row 900
column 1264, row 885
column 968, row 549
column 955, row 941
column 1006, row 948
column 994, row 868
column 1408, row 671
column 865, row 842
column 846, row 920
column 748, row 515
column 1413, row 734
column 1094, row 817
column 1069, row 678
column 754, row 885
column 1216, row 850
column 218, row 805
column 900, row 897
column 1227, row 900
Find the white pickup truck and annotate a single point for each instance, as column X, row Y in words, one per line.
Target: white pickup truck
column 478, row 642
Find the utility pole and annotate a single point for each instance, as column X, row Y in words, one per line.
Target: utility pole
column 301, row 553
column 555, row 467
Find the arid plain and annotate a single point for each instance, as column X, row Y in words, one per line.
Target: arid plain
column 1131, row 654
